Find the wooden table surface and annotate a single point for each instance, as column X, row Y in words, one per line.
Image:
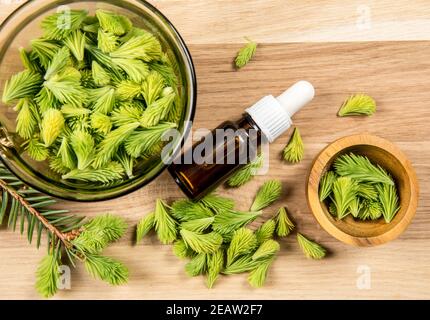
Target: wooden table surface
column 342, row 47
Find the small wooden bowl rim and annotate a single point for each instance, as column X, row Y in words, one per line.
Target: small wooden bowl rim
column 317, row 169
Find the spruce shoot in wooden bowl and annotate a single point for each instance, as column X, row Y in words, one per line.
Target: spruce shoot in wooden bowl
column 395, row 187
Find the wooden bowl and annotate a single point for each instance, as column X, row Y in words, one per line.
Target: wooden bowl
column 384, row 153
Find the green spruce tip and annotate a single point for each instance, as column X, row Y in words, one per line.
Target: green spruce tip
column 284, row 225
column 245, row 174
column 245, row 54
column 243, row 242
column 358, row 104
column 344, row 193
column 266, row 231
column 326, row 185
column 294, row 151
column 311, row 249
column 268, row 193
column 361, row 169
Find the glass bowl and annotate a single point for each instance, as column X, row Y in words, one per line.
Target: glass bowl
column 22, row 26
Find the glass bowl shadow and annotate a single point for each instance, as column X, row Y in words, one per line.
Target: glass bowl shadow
column 19, row 29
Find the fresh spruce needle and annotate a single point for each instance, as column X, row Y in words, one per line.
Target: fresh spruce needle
column 266, row 250
column 265, row 231
column 245, row 54
column 21, row 85
column 181, row 250
column 145, row 225
column 202, row 243
column 284, row 225
column 359, row 104
column 311, row 249
column 295, row 148
column 243, row 242
column 258, row 276
column 197, row 265
column 198, row 225
column 165, row 225
column 361, row 169
column 215, row 264
column 245, row 174
column 268, row 193
column 326, row 185
column 389, row 201
column 228, row 221
column 344, row 193
column 48, row 275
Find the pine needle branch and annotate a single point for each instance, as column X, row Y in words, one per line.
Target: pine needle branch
column 30, row 209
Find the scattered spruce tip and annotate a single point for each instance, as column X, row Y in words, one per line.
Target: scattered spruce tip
column 357, row 187
column 95, row 98
column 284, row 225
column 245, row 54
column 268, row 193
column 245, row 174
column 295, row 148
column 358, row 104
column 311, row 249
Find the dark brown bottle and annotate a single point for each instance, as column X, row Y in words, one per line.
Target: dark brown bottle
column 202, row 168
column 198, row 179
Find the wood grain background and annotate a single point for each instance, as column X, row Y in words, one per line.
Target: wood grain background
column 325, row 43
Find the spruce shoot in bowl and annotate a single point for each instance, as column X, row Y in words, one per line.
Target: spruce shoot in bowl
column 94, row 99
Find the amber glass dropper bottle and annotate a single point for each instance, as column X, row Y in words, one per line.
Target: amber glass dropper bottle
column 264, row 121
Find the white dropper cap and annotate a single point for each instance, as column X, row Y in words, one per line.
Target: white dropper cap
column 273, row 115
